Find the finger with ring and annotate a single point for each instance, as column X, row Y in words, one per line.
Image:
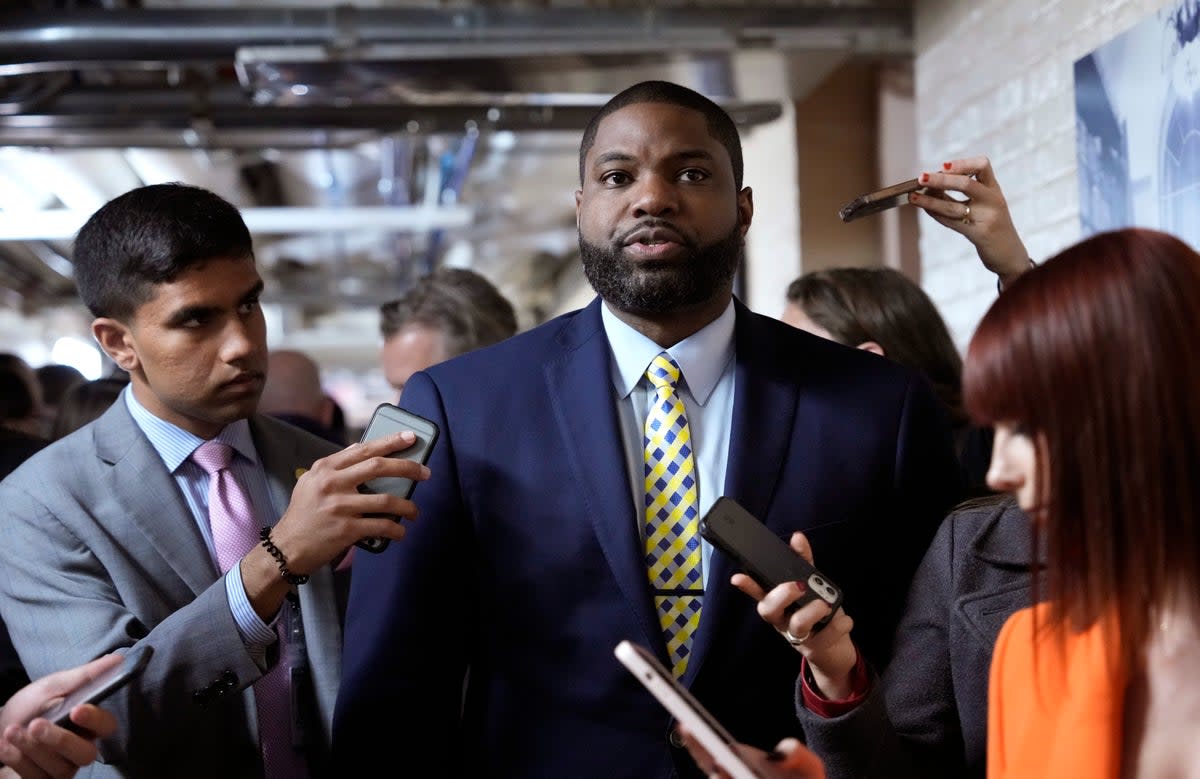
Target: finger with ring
column 966, row 217
column 795, row 640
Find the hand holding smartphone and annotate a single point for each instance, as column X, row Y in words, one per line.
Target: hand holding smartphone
column 766, row 557
column 676, row 699
column 386, row 420
column 101, row 687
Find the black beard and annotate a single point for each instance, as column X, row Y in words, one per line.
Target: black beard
column 662, row 287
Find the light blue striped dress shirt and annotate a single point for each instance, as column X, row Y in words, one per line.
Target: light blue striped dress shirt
column 175, row 446
column 706, row 361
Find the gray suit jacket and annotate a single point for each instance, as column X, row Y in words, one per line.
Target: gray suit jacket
column 99, row 552
column 928, row 717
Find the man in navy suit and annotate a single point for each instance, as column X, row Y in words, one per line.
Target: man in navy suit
column 529, row 564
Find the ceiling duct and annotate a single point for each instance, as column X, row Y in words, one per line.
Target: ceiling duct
column 65, row 38
column 304, row 77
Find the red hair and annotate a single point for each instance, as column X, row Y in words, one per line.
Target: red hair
column 1090, row 354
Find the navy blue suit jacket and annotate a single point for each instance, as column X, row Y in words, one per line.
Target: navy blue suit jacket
column 525, row 565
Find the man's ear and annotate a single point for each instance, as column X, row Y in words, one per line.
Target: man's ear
column 745, row 209
column 116, row 341
column 871, row 346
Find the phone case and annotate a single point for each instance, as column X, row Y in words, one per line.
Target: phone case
column 688, row 711
column 880, row 200
column 386, row 420
column 764, row 556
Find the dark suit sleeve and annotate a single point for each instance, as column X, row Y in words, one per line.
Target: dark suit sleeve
column 410, row 622
column 908, row 726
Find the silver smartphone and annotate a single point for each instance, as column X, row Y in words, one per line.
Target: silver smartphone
column 386, row 420
column 686, row 710
column 99, row 688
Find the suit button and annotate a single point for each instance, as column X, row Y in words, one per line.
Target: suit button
column 201, row 697
column 229, row 679
column 675, row 739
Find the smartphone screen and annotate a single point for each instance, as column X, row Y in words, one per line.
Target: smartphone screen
column 99, row 688
column 386, row 420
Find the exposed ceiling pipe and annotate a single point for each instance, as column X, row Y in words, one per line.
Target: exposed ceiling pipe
column 62, row 224
column 216, row 33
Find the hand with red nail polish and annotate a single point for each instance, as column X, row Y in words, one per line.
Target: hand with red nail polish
column 966, row 198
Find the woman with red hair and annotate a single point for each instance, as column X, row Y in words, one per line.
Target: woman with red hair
column 1082, row 367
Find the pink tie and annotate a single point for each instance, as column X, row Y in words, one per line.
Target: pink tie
column 235, row 532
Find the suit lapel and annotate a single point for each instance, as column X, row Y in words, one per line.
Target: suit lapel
column 139, row 481
column 764, row 410
column 581, row 394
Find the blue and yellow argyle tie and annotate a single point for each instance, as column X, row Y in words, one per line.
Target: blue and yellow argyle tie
column 672, row 514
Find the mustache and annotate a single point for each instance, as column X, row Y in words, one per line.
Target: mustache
column 650, row 224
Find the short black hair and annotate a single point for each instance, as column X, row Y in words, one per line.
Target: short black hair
column 148, row 236
column 720, row 124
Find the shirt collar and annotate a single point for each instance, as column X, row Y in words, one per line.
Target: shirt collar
column 175, row 445
column 702, row 356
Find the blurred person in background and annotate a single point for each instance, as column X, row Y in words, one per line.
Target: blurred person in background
column 85, row 402
column 20, row 398
column 294, row 394
column 55, row 380
column 449, row 312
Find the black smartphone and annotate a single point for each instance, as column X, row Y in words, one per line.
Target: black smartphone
column 879, row 200
column 764, row 556
column 386, row 420
column 99, row 688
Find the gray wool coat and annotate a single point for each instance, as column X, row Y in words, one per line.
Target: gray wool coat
column 927, row 716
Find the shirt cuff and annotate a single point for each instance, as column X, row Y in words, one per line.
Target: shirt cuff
column 256, row 634
column 860, row 685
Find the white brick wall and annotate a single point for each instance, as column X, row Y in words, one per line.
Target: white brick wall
column 995, row 77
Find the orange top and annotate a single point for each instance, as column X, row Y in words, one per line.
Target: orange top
column 1069, row 723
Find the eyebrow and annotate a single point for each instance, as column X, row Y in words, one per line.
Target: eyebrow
column 201, row 312
column 683, row 155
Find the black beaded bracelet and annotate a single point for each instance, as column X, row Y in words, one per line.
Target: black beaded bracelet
column 269, row 545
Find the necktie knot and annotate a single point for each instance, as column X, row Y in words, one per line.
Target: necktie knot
column 213, row 456
column 663, row 372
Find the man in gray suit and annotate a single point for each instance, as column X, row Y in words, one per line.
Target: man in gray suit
column 105, row 536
